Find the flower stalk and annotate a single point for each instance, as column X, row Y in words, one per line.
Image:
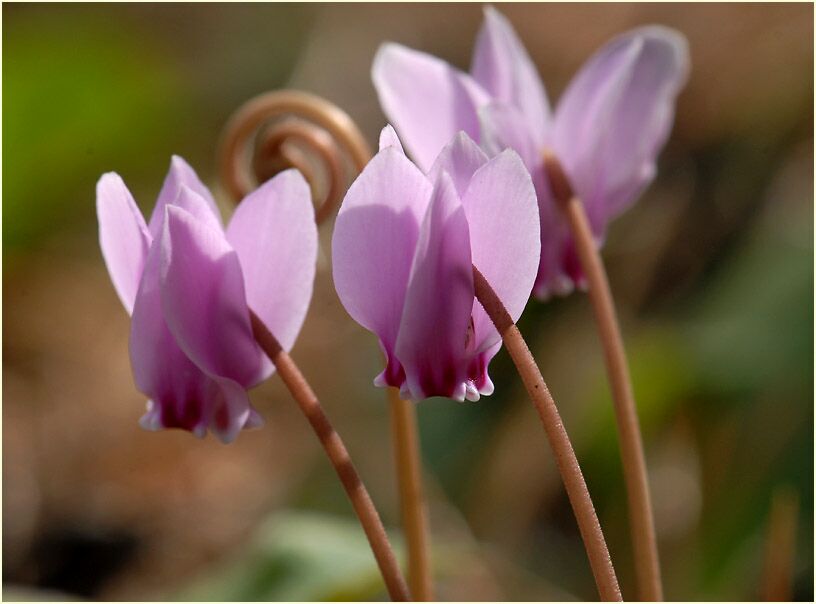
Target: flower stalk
column 339, row 458
column 644, row 540
column 409, row 476
column 565, row 458
column 322, row 130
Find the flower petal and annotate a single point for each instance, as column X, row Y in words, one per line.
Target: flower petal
column 433, row 333
column 389, row 138
column 123, row 236
column 374, row 240
column 460, row 159
column 426, row 100
column 503, row 67
column 502, row 213
column 160, row 368
column 203, row 299
column 232, row 411
column 274, row 233
column 182, row 396
column 504, row 127
column 616, row 115
column 180, row 174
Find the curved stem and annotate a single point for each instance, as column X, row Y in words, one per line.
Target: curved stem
column 255, row 112
column 574, row 482
column 339, row 457
column 409, row 477
column 647, row 564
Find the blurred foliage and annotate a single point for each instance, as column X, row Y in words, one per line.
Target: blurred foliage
column 712, row 271
column 91, row 95
column 297, row 557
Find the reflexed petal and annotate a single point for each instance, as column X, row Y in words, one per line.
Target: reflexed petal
column 203, row 299
column 274, row 233
column 434, row 329
column 123, row 236
column 389, row 138
column 426, row 100
column 503, row 127
column 182, row 396
column 503, row 67
column 502, row 213
column 374, row 240
column 160, row 369
column 479, row 382
column 222, row 406
column 232, row 411
column 616, row 115
column 460, row 159
column 180, row 174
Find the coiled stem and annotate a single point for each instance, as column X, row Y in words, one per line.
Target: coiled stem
column 308, row 128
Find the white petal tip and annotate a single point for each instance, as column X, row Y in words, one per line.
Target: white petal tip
column 471, row 392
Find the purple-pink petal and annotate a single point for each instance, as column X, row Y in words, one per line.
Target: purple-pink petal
column 180, row 174
column 123, row 236
column 502, row 213
column 616, row 115
column 460, row 159
column 274, row 233
column 389, row 138
column 426, row 100
column 203, row 299
column 373, row 245
column 504, row 127
column 181, row 395
column 503, row 68
column 435, row 332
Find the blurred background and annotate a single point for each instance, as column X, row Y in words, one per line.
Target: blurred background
column 712, row 271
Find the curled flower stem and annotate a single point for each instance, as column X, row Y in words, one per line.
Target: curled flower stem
column 325, row 129
column 409, row 475
column 573, row 478
column 647, row 564
column 339, row 457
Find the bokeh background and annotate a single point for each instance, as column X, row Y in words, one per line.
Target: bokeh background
column 712, row 271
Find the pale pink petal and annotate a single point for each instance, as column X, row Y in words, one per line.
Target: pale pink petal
column 374, row 240
column 433, row 332
column 504, row 127
column 426, row 100
column 203, row 299
column 503, row 68
column 123, row 236
column 460, row 159
column 180, row 174
column 389, row 138
column 274, row 233
column 616, row 115
column 502, row 213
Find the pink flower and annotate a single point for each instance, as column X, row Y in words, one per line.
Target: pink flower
column 189, row 285
column 607, row 129
column 403, row 249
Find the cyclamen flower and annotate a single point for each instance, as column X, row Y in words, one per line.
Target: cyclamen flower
column 607, row 129
column 403, row 249
column 189, row 287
